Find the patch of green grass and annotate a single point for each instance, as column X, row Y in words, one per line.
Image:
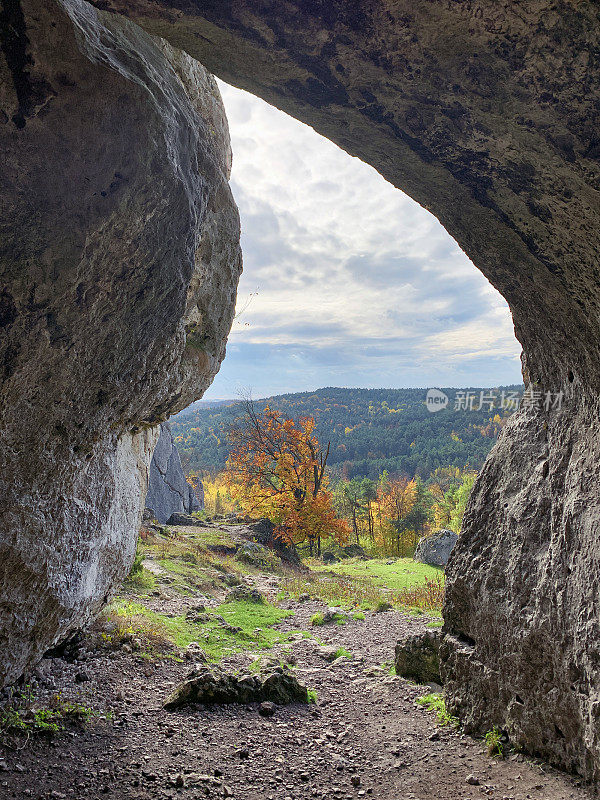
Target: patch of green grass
column 435, row 623
column 209, row 536
column 358, row 616
column 337, row 590
column 402, row 574
column 21, row 715
column 435, row 702
column 250, row 616
column 341, row 652
column 142, row 582
column 156, row 632
column 249, row 627
column 366, row 584
column 317, row 619
column 312, row 695
column 493, row 742
column 179, row 567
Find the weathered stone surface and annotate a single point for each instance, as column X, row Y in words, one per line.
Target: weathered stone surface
column 487, row 114
column 177, row 518
column 119, row 259
column 257, row 555
column 522, row 609
column 212, row 686
column 418, row 657
column 435, row 549
column 263, row 531
column 168, row 489
column 244, row 593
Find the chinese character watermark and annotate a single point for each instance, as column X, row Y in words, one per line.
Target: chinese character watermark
column 489, row 399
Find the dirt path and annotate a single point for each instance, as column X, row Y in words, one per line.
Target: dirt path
column 364, row 738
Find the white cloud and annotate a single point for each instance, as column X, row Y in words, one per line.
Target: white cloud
column 344, row 262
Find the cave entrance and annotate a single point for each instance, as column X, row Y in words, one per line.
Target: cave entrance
column 333, row 295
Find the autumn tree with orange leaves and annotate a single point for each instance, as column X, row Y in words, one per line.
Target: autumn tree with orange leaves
column 276, row 469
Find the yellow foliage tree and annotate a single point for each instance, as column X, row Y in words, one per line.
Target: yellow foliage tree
column 276, row 469
column 396, row 498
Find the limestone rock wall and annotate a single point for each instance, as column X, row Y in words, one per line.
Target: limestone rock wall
column 119, row 260
column 487, row 113
column 168, row 489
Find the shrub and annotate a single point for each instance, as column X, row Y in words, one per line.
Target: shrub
column 317, row 619
column 20, row 715
column 428, row 596
column 137, row 562
column 493, row 742
column 341, row 652
column 435, row 702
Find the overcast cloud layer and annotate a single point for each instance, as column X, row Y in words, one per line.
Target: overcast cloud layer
column 347, row 281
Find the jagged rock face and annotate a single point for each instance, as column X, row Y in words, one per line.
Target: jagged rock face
column 168, row 489
column 119, row 259
column 487, row 114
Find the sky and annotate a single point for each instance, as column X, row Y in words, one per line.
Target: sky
column 347, row 281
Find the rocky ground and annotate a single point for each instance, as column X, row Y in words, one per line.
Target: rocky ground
column 364, row 737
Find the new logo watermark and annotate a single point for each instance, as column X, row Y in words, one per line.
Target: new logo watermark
column 436, row 400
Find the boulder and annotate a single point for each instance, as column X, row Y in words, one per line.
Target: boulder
column 119, row 257
column 212, row 686
column 328, row 652
column 168, row 489
column 264, row 532
column 177, row 518
column 267, row 709
column 256, row 555
column 353, row 551
column 435, row 549
column 418, row 657
column 334, row 614
column 245, row 593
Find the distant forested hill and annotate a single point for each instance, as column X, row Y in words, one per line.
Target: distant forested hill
column 370, row 430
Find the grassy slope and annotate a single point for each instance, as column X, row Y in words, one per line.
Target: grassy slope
column 369, row 584
column 186, row 565
column 404, row 573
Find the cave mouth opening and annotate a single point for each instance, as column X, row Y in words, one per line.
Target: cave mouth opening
column 325, row 240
